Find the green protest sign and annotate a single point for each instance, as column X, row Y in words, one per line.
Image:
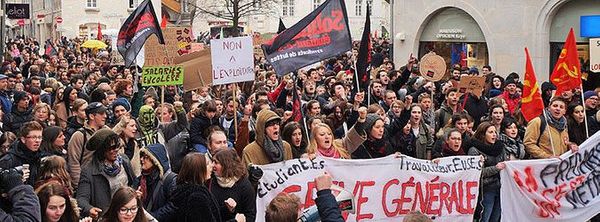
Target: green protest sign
column 162, row 75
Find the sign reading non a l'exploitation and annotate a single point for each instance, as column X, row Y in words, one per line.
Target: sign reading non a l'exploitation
column 384, row 189
column 162, row 75
column 232, row 60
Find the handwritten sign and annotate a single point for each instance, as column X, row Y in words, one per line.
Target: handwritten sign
column 162, row 75
column 177, row 43
column 432, row 67
column 471, row 84
column 232, row 60
column 384, row 189
column 595, row 54
column 556, row 189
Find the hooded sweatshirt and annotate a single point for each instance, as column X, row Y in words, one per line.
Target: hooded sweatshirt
column 256, row 152
column 157, row 184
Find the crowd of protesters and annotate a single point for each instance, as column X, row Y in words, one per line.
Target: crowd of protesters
column 92, row 144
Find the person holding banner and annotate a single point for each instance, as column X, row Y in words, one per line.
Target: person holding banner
column 547, row 135
column 268, row 147
column 323, row 144
column 486, row 145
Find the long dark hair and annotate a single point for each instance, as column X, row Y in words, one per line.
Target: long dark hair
column 289, row 129
column 66, row 98
column 119, row 199
column 481, row 130
column 231, row 163
column 193, row 169
column 55, row 188
column 49, row 135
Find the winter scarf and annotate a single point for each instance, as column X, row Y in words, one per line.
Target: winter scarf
column 491, row 150
column 447, row 151
column 512, row 146
column 558, row 124
column 112, row 169
column 227, row 182
column 274, row 149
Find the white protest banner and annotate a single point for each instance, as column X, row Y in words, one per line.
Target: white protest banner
column 384, row 189
column 595, row 54
column 232, row 60
column 565, row 189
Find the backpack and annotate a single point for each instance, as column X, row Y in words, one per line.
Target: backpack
column 542, row 128
column 84, row 132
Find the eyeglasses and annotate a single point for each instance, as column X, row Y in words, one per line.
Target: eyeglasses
column 34, row 137
column 123, row 211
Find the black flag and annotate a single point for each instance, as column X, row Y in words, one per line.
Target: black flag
column 281, row 26
column 364, row 56
column 137, row 28
column 322, row 34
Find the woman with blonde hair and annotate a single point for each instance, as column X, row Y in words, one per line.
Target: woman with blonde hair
column 127, row 131
column 323, row 144
column 41, row 113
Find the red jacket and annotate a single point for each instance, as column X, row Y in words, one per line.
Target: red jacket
column 511, row 102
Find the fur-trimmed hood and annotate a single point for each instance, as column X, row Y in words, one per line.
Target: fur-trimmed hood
column 158, row 154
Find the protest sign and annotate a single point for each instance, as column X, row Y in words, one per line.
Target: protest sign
column 432, row 67
column 471, row 84
column 232, row 60
column 162, row 75
column 197, row 69
column 595, row 54
column 384, row 189
column 177, row 43
column 565, row 189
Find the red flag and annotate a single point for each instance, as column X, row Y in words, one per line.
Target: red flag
column 99, row 37
column 296, row 111
column 531, row 102
column 567, row 71
column 163, row 21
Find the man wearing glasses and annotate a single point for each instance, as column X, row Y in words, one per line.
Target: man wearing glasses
column 25, row 152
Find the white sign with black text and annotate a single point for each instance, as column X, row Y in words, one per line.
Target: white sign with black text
column 232, row 60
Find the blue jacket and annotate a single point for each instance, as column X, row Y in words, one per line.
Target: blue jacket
column 329, row 210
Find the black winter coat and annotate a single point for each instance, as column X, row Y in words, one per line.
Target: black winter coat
column 25, row 205
column 18, row 155
column 243, row 194
column 194, row 202
column 199, row 127
column 17, row 119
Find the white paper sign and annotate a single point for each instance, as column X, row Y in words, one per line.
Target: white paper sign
column 565, row 189
column 232, row 60
column 595, row 54
column 384, row 189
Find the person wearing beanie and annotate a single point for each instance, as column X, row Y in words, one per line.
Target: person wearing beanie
column 120, row 107
column 21, row 112
column 510, row 94
column 590, row 99
column 156, row 182
column 103, row 175
column 269, row 146
column 5, row 103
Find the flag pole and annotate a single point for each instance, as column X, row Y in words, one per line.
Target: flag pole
column 587, row 132
column 549, row 135
column 235, row 111
column 356, row 77
column 162, row 91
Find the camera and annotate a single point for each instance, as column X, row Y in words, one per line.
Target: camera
column 6, row 173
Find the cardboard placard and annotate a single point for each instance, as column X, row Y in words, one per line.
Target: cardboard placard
column 162, row 75
column 471, row 84
column 177, row 43
column 197, row 69
column 432, row 67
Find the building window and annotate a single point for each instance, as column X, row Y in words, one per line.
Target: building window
column 91, row 4
column 316, row 4
column 358, row 8
column 133, row 3
column 288, row 7
column 370, row 6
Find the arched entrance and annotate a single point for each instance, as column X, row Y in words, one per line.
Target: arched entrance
column 453, row 34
